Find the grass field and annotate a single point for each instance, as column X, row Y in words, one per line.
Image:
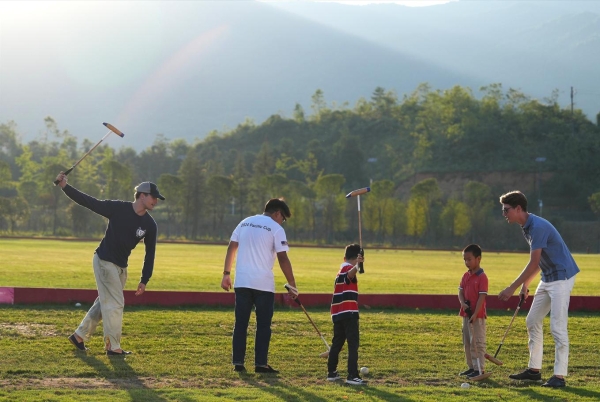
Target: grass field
column 183, row 354
column 194, row 267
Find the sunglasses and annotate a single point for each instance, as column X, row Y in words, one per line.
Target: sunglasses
column 505, row 210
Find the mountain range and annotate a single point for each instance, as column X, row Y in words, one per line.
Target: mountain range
column 184, row 69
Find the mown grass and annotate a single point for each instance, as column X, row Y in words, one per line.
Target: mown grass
column 183, row 354
column 195, row 267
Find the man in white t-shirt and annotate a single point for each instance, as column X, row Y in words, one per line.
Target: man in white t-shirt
column 257, row 240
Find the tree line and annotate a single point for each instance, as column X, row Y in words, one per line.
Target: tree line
column 313, row 160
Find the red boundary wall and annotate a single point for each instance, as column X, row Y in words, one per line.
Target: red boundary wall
column 172, row 298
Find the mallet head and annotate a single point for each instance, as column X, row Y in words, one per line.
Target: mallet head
column 493, row 359
column 481, row 377
column 358, row 192
column 114, row 129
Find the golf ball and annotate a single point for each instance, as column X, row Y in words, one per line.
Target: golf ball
column 465, row 385
column 77, row 304
column 364, row 370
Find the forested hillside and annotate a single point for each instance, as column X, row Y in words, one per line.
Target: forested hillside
column 410, row 150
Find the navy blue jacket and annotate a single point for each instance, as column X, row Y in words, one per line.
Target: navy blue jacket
column 124, row 231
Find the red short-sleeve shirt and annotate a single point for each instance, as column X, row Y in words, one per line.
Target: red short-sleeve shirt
column 472, row 285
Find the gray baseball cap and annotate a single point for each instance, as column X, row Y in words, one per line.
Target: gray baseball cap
column 149, row 188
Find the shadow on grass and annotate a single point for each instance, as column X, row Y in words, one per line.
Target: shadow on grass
column 376, row 393
column 283, row 392
column 292, row 393
column 122, row 376
column 531, row 390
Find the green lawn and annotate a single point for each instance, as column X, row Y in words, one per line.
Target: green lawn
column 193, row 267
column 183, row 354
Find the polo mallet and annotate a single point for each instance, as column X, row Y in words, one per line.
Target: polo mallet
column 482, row 375
column 111, row 129
column 297, row 300
column 357, row 193
column 494, row 359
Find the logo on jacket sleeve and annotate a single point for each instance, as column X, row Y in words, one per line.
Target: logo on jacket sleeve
column 140, row 233
column 284, row 243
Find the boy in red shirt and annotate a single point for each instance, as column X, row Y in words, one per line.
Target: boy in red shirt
column 344, row 314
column 471, row 294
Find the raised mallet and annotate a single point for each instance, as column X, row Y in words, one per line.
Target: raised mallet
column 297, row 300
column 494, row 359
column 111, row 129
column 357, row 193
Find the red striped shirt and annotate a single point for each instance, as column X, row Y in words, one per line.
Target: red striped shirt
column 345, row 295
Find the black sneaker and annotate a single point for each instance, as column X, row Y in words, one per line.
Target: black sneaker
column 265, row 369
column 122, row 353
column 527, row 374
column 332, row 376
column 356, row 381
column 467, row 372
column 555, row 382
column 475, row 373
column 239, row 367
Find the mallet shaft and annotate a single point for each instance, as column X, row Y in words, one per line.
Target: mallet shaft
column 112, row 129
column 297, row 300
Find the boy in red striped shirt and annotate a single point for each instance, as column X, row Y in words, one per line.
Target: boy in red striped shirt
column 344, row 314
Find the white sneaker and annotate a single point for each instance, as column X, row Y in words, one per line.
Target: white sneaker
column 356, row 381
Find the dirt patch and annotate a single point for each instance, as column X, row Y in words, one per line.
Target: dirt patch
column 28, row 330
column 91, row 383
column 19, row 384
column 128, row 383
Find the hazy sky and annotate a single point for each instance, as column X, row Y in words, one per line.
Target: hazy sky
column 93, row 48
column 410, row 3
column 85, row 62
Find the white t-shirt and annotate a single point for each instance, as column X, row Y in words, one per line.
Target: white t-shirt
column 260, row 238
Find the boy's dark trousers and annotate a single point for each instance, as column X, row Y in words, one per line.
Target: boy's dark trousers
column 345, row 330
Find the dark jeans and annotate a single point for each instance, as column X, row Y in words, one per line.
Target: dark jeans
column 263, row 302
column 345, row 330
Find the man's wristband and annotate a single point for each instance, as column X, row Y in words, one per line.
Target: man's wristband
column 226, row 272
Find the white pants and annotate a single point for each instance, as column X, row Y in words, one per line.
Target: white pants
column 550, row 297
column 108, row 306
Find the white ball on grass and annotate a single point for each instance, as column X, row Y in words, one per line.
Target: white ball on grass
column 77, row 304
column 364, row 370
column 465, row 385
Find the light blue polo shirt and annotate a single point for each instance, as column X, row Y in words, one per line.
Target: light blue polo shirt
column 556, row 262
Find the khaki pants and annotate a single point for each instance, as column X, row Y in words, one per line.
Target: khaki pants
column 108, row 306
column 477, row 332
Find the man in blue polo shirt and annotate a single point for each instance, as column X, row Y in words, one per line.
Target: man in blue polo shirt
column 550, row 255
